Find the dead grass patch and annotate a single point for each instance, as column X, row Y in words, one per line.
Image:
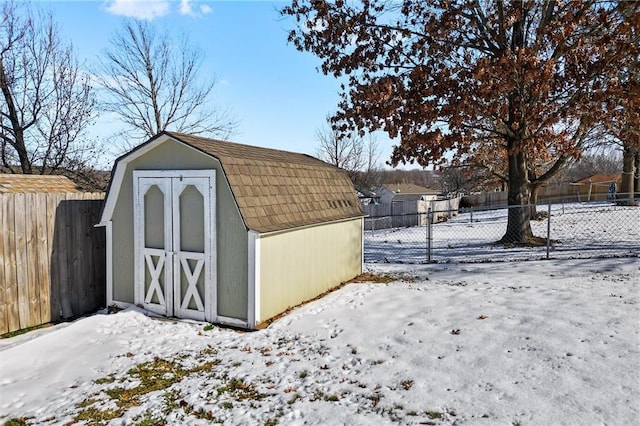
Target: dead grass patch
column 373, row 278
column 25, row 330
column 22, row 421
column 155, row 375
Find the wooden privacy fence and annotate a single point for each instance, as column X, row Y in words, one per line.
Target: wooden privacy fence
column 403, row 214
column 554, row 193
column 442, row 210
column 52, row 258
column 391, row 215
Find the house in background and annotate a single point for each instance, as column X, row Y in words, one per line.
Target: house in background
column 405, row 205
column 598, row 187
column 227, row 233
column 388, row 193
column 395, row 192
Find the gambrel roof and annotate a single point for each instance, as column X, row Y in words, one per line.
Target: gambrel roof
column 277, row 190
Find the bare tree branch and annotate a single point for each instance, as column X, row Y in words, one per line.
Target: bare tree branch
column 152, row 83
column 343, row 151
column 359, row 156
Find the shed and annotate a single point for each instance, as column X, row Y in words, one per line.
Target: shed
column 228, row 233
column 405, row 192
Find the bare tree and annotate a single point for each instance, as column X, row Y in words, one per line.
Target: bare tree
column 371, row 174
column 46, row 102
column 420, row 177
column 342, row 150
column 358, row 155
column 152, row 83
column 606, row 162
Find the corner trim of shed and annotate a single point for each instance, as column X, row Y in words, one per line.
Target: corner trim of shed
column 253, row 282
column 109, row 249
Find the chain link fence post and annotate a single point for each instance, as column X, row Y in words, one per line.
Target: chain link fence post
column 429, row 221
column 548, row 226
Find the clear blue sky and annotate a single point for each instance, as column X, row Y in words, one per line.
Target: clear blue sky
column 275, row 91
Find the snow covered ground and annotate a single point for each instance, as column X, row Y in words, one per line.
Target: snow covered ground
column 516, row 343
column 580, row 230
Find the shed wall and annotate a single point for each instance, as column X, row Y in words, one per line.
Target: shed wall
column 231, row 232
column 299, row 265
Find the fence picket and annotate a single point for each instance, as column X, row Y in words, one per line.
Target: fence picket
column 4, row 322
column 54, row 229
column 64, row 242
column 11, row 281
column 43, row 269
column 22, row 271
column 80, row 212
column 31, row 247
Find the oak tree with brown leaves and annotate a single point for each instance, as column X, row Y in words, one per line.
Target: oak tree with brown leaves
column 623, row 128
column 531, row 79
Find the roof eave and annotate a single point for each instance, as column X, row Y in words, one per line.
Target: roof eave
column 117, row 174
column 306, row 226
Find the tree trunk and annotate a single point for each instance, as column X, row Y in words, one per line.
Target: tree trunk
column 16, row 126
column 636, row 184
column 518, row 222
column 533, row 202
column 628, row 174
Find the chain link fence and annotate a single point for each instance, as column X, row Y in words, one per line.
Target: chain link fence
column 571, row 230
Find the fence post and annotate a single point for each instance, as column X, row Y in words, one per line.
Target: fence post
column 548, row 227
column 471, row 214
column 429, row 220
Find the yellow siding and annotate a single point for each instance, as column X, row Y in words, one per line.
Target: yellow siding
column 299, row 265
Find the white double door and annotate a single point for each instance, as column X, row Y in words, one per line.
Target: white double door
column 175, row 242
